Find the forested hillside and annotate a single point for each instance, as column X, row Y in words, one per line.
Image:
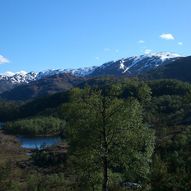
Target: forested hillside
column 178, row 69
column 143, row 128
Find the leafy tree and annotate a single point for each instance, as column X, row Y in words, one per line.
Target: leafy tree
column 136, row 89
column 171, row 168
column 169, row 87
column 107, row 138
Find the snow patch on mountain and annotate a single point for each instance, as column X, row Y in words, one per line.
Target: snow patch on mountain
column 79, row 72
column 23, row 77
column 18, row 77
column 122, row 66
column 147, row 61
column 164, row 55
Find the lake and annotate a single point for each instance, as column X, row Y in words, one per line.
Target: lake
column 1, row 125
column 38, row 142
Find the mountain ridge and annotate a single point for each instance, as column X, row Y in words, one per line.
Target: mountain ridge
column 125, row 65
column 52, row 81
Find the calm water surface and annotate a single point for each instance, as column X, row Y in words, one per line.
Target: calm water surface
column 38, row 142
column 1, row 125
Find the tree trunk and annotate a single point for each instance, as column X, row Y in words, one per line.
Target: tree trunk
column 105, row 175
column 105, row 147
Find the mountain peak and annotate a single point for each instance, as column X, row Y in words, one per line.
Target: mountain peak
column 9, row 73
column 135, row 65
column 164, row 55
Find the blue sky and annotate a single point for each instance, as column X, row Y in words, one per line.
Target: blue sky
column 47, row 34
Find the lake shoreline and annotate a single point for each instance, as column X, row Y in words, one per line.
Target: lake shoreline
column 33, row 142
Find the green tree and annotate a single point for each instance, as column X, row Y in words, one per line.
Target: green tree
column 107, row 138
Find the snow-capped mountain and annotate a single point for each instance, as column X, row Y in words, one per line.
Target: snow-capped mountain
column 135, row 65
column 19, row 77
column 131, row 66
column 79, row 72
column 23, row 77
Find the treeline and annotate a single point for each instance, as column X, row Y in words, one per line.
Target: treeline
column 9, row 110
column 36, row 126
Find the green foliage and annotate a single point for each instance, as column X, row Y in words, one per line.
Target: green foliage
column 43, row 104
column 169, row 87
column 48, row 158
column 106, row 130
column 136, row 89
column 53, row 182
column 8, row 110
column 36, row 126
column 165, row 111
column 172, row 164
column 169, row 114
column 6, row 182
column 126, row 110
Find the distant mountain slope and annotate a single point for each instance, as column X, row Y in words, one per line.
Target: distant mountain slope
column 131, row 66
column 9, row 80
column 42, row 87
column 179, row 69
column 134, row 66
column 6, row 86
